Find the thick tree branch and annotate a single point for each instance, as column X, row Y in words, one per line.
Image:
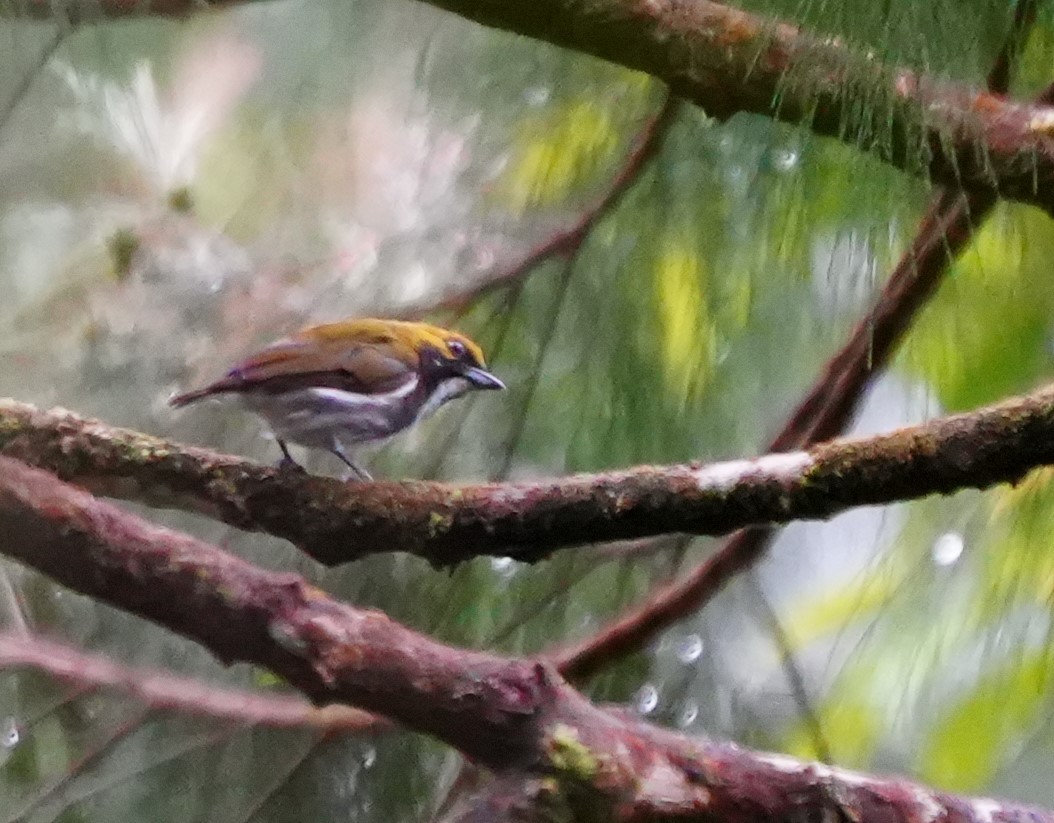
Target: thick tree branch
column 516, row 716
column 165, row 691
column 336, row 522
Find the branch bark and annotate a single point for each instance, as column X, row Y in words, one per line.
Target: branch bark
column 337, row 522
column 575, row 760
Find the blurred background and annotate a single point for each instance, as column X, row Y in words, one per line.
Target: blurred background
column 174, row 194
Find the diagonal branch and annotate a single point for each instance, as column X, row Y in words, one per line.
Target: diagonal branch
column 165, row 691
column 336, row 522
column 948, row 225
column 515, row 716
column 645, row 148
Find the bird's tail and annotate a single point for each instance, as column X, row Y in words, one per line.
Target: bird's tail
column 185, row 399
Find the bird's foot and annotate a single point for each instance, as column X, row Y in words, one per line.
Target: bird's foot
column 356, row 474
column 287, row 463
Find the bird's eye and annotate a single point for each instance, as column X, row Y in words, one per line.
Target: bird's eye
column 457, row 348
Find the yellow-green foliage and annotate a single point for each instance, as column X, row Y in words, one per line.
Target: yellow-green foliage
column 966, row 748
column 1018, row 566
column 696, row 312
column 556, row 153
column 1033, row 69
column 852, row 729
column 123, row 244
column 181, row 199
column 688, row 334
column 840, row 606
column 569, row 755
column 984, row 335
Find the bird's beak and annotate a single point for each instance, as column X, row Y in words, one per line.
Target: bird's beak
column 481, row 379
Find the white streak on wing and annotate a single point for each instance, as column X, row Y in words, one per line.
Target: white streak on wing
column 319, row 417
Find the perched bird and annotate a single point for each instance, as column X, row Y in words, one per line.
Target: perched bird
column 339, row 384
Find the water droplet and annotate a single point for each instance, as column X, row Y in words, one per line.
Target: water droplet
column 505, row 567
column 689, row 648
column 369, row 757
column 948, row 548
column 484, row 259
column 785, row 159
column 689, row 712
column 647, row 699
column 537, row 95
column 9, row 733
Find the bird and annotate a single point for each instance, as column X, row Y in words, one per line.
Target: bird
column 336, row 385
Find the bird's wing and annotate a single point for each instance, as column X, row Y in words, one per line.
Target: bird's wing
column 295, row 363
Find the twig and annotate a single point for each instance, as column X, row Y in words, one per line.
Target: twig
column 530, row 387
column 18, row 95
column 164, row 691
column 53, row 787
column 795, row 680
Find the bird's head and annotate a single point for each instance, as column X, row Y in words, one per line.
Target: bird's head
column 435, row 353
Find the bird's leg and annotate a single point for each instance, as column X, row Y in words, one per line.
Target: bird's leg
column 287, row 461
column 362, row 474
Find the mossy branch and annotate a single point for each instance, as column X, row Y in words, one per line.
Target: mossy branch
column 337, row 522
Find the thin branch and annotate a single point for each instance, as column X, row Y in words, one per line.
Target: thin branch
column 83, row 12
column 998, row 80
column 948, row 225
column 55, row 787
column 530, row 386
column 26, row 83
column 644, row 148
column 514, row 716
column 795, row 680
column 164, row 691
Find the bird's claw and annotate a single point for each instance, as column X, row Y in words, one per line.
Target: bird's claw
column 288, row 464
